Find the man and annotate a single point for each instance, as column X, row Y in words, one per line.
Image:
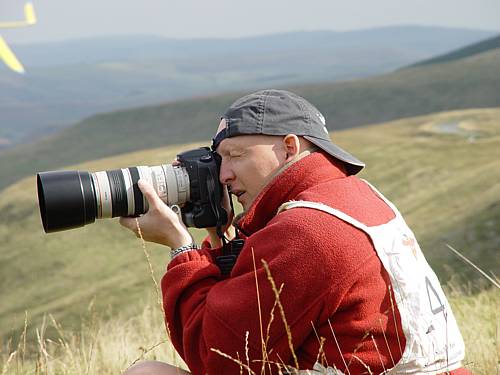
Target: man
column 329, row 278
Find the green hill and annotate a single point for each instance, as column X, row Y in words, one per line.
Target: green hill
column 468, row 83
column 461, row 53
column 439, row 169
column 67, row 81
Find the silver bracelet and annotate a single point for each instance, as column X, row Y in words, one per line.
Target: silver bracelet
column 183, row 249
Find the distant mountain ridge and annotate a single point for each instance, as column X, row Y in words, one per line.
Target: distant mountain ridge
column 68, row 81
column 140, row 47
column 461, row 53
column 467, row 83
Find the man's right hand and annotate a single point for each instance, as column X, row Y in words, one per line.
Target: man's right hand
column 160, row 224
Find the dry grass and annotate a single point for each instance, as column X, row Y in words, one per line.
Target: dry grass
column 98, row 347
column 478, row 316
column 109, row 347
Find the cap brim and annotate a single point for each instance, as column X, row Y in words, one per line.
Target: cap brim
column 353, row 165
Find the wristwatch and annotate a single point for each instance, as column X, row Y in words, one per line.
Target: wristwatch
column 183, row 249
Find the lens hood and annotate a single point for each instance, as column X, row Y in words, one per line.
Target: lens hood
column 66, row 199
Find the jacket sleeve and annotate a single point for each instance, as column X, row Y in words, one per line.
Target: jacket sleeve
column 189, row 278
column 238, row 315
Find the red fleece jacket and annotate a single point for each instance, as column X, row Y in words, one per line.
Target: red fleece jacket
column 334, row 286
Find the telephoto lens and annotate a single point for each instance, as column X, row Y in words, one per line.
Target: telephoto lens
column 70, row 199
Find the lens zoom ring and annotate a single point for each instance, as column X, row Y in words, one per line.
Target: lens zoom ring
column 118, row 193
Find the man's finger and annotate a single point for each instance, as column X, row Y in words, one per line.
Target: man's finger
column 150, row 193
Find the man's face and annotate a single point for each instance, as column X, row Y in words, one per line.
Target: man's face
column 248, row 163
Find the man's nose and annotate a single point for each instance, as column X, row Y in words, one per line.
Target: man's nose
column 226, row 175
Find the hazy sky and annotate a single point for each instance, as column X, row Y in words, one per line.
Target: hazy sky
column 65, row 19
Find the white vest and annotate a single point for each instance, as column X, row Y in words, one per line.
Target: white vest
column 433, row 341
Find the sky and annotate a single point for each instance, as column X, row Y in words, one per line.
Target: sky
column 68, row 19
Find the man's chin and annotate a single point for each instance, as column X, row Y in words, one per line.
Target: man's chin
column 238, row 217
column 246, row 203
column 243, row 201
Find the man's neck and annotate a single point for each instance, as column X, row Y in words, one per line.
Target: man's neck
column 296, row 158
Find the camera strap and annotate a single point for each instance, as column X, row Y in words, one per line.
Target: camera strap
column 231, row 250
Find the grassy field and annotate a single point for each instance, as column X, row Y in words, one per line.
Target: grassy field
column 441, row 170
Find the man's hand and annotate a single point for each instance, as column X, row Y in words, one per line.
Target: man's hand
column 160, row 224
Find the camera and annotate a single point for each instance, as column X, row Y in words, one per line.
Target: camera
column 70, row 199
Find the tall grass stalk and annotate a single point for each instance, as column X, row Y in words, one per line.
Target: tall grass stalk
column 469, row 262
column 150, row 265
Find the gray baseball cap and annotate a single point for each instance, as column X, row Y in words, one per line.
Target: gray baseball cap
column 279, row 112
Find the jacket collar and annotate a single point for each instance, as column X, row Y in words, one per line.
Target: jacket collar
column 300, row 176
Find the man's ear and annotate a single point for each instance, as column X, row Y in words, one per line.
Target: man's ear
column 291, row 144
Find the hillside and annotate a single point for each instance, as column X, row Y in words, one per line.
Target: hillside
column 438, row 169
column 468, row 83
column 461, row 53
column 70, row 80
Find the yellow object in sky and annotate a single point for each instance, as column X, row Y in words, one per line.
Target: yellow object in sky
column 6, row 53
column 29, row 18
column 9, row 58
